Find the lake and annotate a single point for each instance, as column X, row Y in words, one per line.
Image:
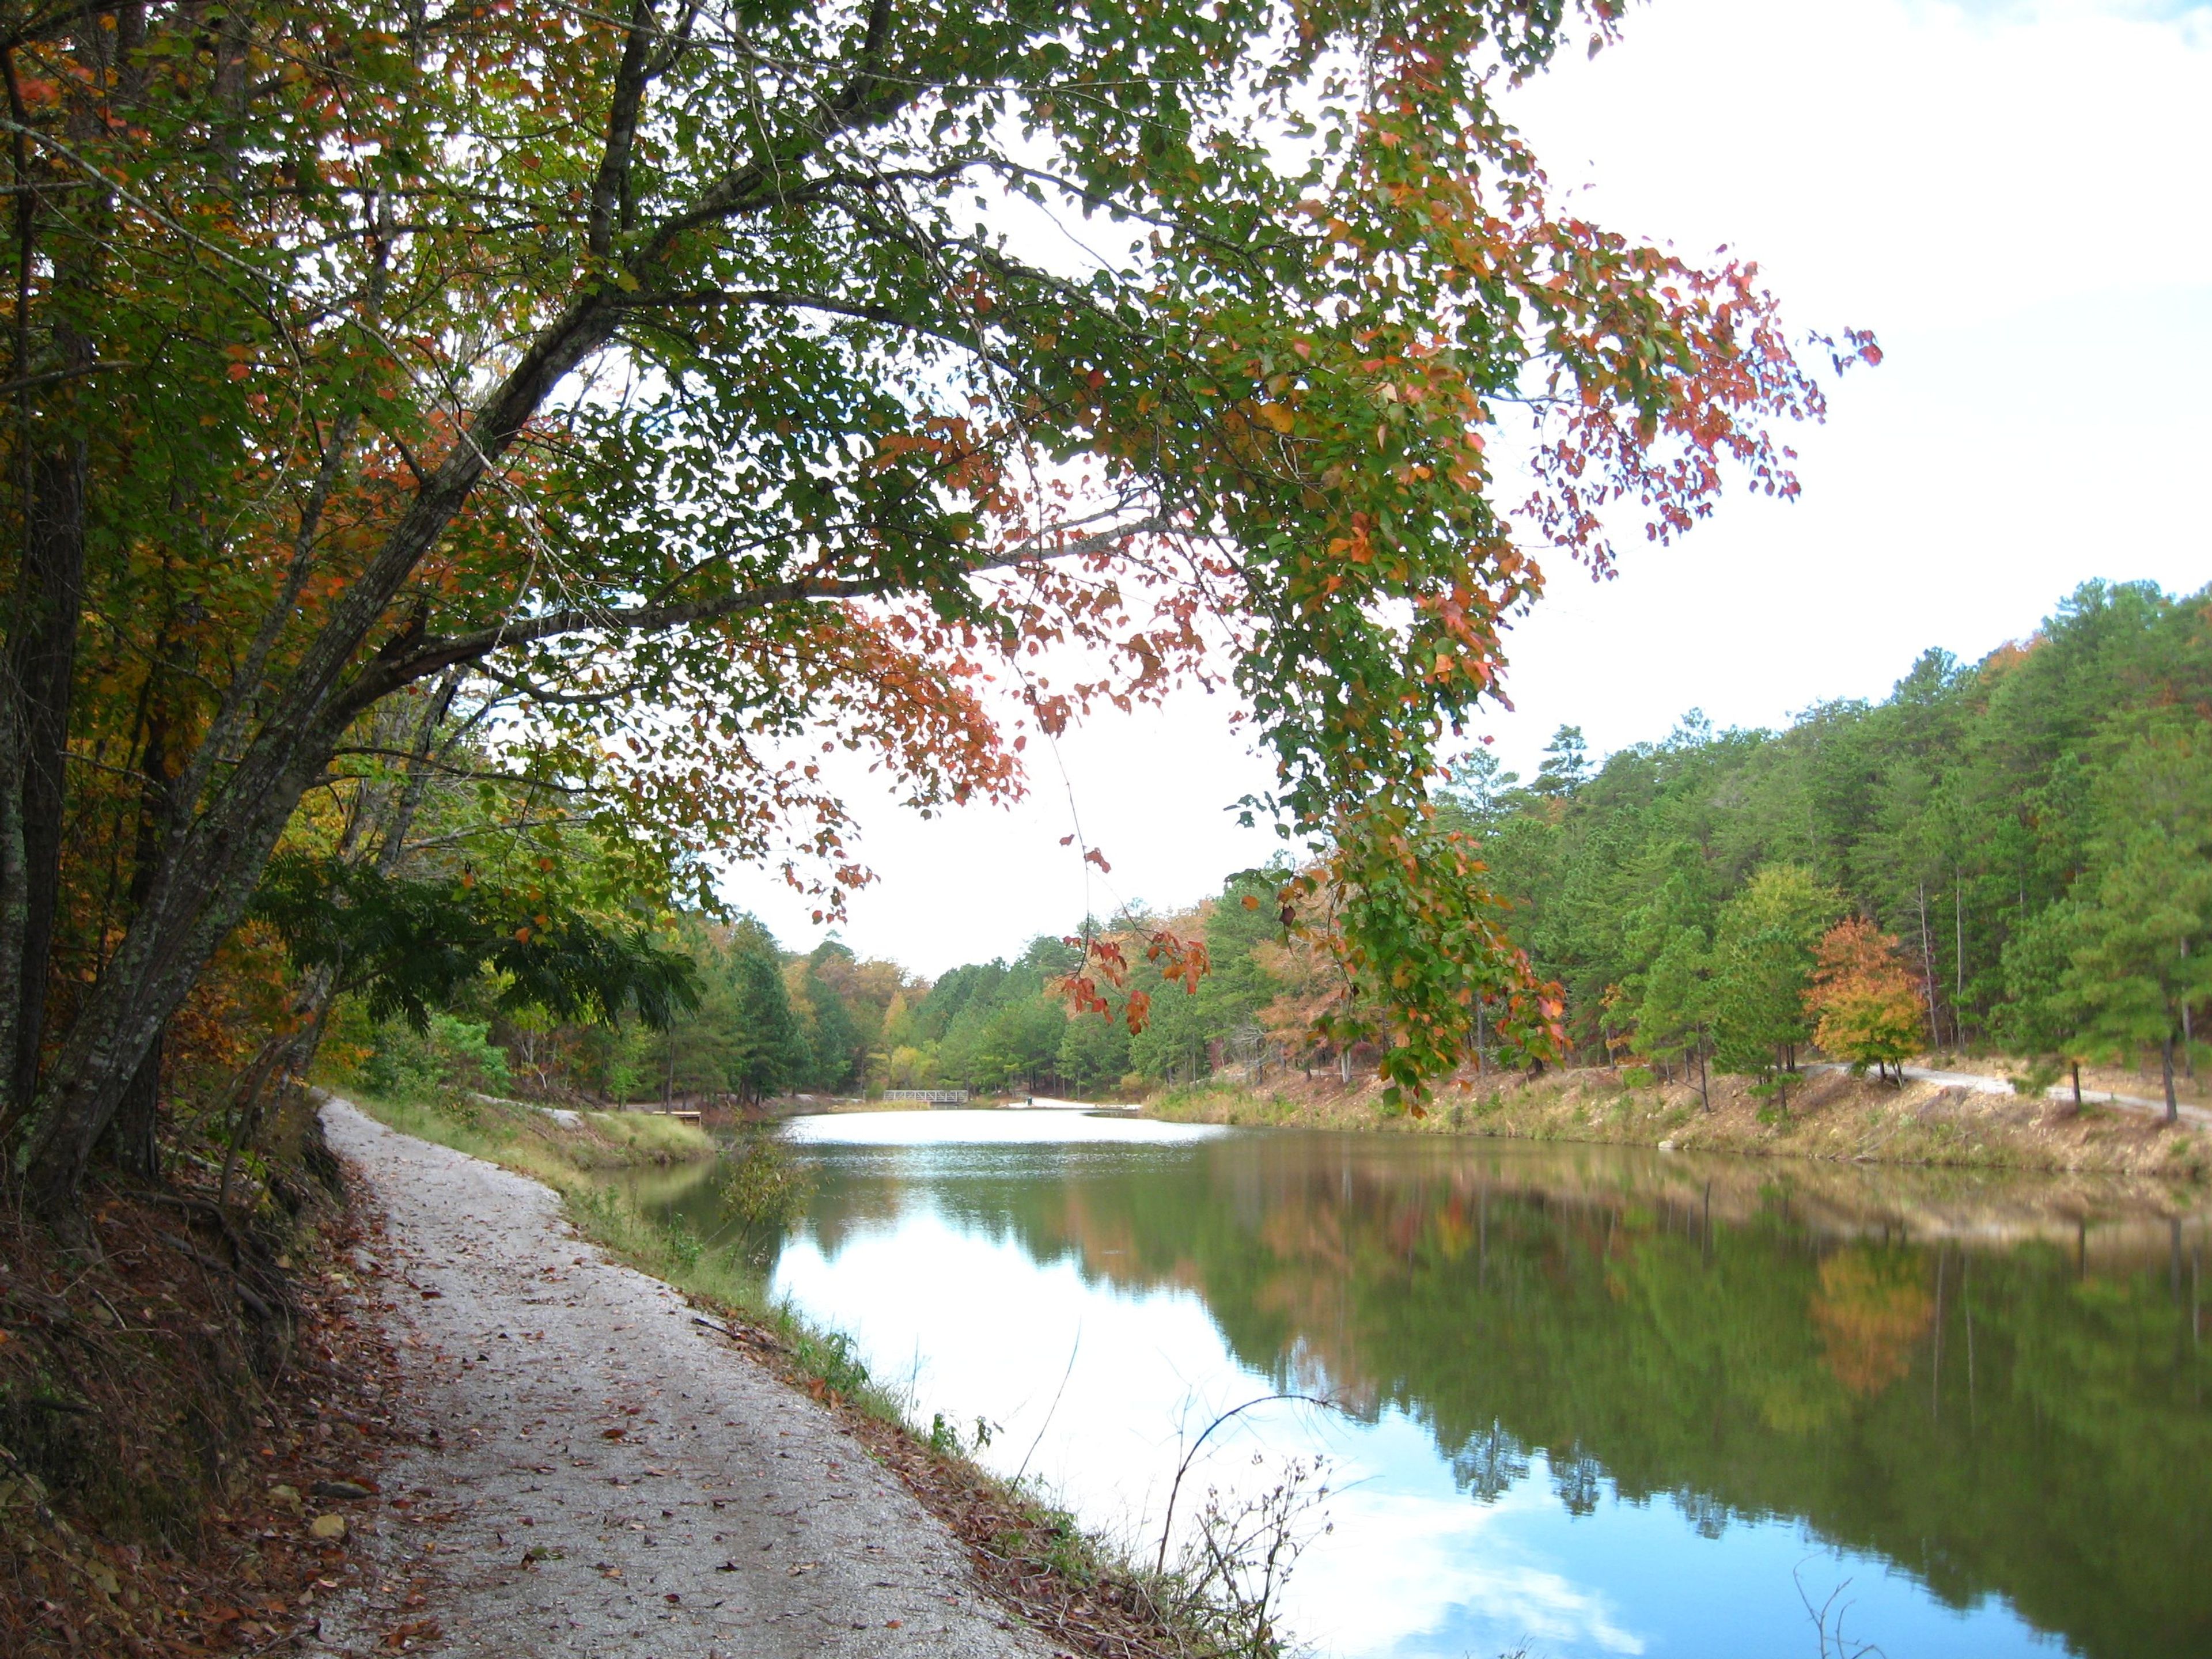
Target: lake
column 1569, row 1400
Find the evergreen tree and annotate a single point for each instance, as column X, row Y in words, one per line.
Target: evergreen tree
column 1675, row 1018
column 834, row 1035
column 2040, row 1016
column 2140, row 962
column 767, row 1050
column 1763, row 962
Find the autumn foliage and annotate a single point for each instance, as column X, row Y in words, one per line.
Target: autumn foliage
column 669, row 394
column 1870, row 1010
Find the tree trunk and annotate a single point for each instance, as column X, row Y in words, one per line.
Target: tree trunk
column 1958, row 950
column 42, row 662
column 131, row 1143
column 132, row 1139
column 2188, row 1035
column 1927, row 970
column 2075, row 1065
column 1704, row 1095
column 12, row 1106
column 2166, row 1055
column 231, row 817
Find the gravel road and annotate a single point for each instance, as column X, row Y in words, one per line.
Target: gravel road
column 601, row 1476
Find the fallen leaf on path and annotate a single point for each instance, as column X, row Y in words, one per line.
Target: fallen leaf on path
column 328, row 1526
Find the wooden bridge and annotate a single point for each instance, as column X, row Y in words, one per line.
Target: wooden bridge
column 928, row 1096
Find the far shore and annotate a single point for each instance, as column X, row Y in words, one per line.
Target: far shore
column 1960, row 1116
column 1949, row 1110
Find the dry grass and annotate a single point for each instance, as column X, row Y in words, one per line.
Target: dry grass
column 1830, row 1115
column 532, row 1139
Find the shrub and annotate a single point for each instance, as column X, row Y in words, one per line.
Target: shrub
column 450, row 1058
column 765, row 1187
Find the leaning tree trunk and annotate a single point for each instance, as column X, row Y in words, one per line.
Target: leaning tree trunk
column 227, row 822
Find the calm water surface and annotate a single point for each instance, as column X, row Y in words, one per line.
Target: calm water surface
column 1586, row 1400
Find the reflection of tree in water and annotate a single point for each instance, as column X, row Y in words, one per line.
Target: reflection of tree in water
column 1707, row 1515
column 2029, row 1429
column 1579, row 1479
column 1490, row 1464
column 1872, row 1310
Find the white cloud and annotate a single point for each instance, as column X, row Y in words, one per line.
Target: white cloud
column 1402, row 1574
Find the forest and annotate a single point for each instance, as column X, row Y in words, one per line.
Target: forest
column 2020, row 849
column 2030, row 834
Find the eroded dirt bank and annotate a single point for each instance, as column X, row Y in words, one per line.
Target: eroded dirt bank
column 599, row 1475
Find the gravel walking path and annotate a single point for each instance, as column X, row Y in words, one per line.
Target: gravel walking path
column 601, row 1476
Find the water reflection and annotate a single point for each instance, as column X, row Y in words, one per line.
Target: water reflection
column 1594, row 1401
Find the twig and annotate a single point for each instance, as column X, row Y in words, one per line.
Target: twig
column 1074, row 1350
column 1167, row 1521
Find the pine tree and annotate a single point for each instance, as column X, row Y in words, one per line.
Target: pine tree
column 1763, row 961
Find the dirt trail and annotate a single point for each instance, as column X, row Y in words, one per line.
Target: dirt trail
column 599, row 1475
column 1982, row 1083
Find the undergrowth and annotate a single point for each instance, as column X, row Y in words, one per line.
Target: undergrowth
column 168, row 1388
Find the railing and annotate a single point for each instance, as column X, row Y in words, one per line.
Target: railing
column 929, row 1096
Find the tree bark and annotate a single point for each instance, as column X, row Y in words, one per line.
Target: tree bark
column 132, row 1139
column 2166, row 1056
column 1958, row 950
column 1927, row 970
column 132, row 1143
column 42, row 662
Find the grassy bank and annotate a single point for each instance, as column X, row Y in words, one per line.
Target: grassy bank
column 538, row 1142
column 1827, row 1115
column 1034, row 1557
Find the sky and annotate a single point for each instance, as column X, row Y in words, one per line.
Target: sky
column 2016, row 197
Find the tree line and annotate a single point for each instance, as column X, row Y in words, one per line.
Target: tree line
column 2014, row 854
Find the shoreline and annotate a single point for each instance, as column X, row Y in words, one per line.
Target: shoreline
column 1831, row 1117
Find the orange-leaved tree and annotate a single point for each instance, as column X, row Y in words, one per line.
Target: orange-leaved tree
column 1870, row 1010
column 710, row 382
